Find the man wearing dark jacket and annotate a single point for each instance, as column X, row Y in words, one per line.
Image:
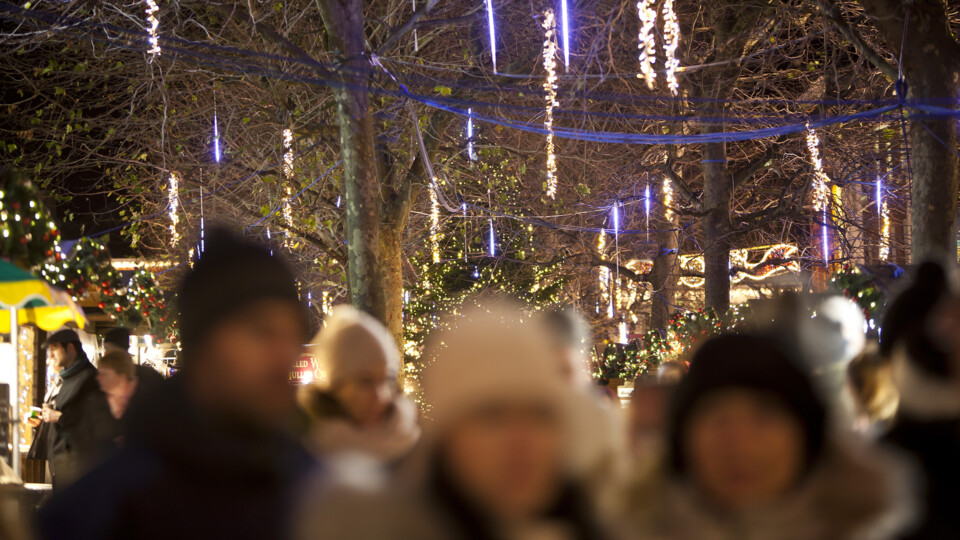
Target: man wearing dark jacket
column 81, row 426
column 211, row 454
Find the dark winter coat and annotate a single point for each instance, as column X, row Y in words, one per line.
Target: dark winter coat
column 183, row 474
column 85, row 429
column 934, row 446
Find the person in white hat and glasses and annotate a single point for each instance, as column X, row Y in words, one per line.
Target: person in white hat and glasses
column 354, row 403
column 494, row 460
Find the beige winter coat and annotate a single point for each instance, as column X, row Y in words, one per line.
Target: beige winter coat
column 850, row 496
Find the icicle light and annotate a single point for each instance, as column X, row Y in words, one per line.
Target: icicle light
column 493, row 35
column 216, row 139
column 826, row 236
column 671, row 40
column 470, row 153
column 493, row 241
column 416, row 39
column 434, row 222
column 623, row 333
column 153, row 26
column 648, row 46
column 565, row 26
column 550, row 88
column 821, row 179
column 173, row 196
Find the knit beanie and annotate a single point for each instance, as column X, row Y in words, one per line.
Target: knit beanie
column 909, row 316
column 118, row 337
column 753, row 363
column 350, row 341
column 231, row 275
column 489, row 354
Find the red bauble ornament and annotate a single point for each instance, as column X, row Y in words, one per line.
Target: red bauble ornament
column 23, row 240
column 101, row 305
column 15, row 205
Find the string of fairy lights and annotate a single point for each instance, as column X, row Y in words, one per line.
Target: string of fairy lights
column 550, row 88
column 288, row 156
column 173, row 196
column 671, row 40
column 647, row 13
column 153, row 27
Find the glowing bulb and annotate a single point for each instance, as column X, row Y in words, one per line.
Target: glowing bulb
column 550, row 87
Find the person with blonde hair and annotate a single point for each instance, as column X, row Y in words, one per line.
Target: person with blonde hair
column 354, row 402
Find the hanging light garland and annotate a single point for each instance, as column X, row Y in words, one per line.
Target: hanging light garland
column 821, row 180
column 493, row 35
column 288, row 175
column 671, row 40
column 153, row 25
column 648, row 47
column 434, row 222
column 550, row 88
column 173, row 196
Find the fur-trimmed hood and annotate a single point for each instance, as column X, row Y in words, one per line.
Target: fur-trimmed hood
column 853, row 494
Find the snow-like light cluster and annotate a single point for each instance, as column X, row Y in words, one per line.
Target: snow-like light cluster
column 153, row 26
column 648, row 47
column 671, row 40
column 550, row 88
column 173, row 196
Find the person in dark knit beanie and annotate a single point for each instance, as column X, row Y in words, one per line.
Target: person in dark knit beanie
column 749, row 455
column 217, row 441
column 231, row 275
column 756, row 364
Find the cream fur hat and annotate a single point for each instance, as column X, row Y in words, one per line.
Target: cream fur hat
column 489, row 354
column 350, row 341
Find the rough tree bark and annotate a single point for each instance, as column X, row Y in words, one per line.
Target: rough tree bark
column 931, row 67
column 663, row 275
column 343, row 20
column 716, row 226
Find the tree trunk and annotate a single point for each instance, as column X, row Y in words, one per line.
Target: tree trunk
column 664, row 274
column 390, row 253
column 716, row 226
column 932, row 72
column 343, row 20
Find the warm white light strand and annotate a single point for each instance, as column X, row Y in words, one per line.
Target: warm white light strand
column 434, row 222
column 671, row 40
column 821, row 180
column 173, row 196
column 667, row 199
column 153, row 26
column 288, row 176
column 884, row 231
column 646, row 42
column 550, row 88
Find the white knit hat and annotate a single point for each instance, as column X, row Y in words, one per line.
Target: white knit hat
column 489, row 354
column 350, row 341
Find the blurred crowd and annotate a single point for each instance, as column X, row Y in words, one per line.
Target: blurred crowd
column 754, row 436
